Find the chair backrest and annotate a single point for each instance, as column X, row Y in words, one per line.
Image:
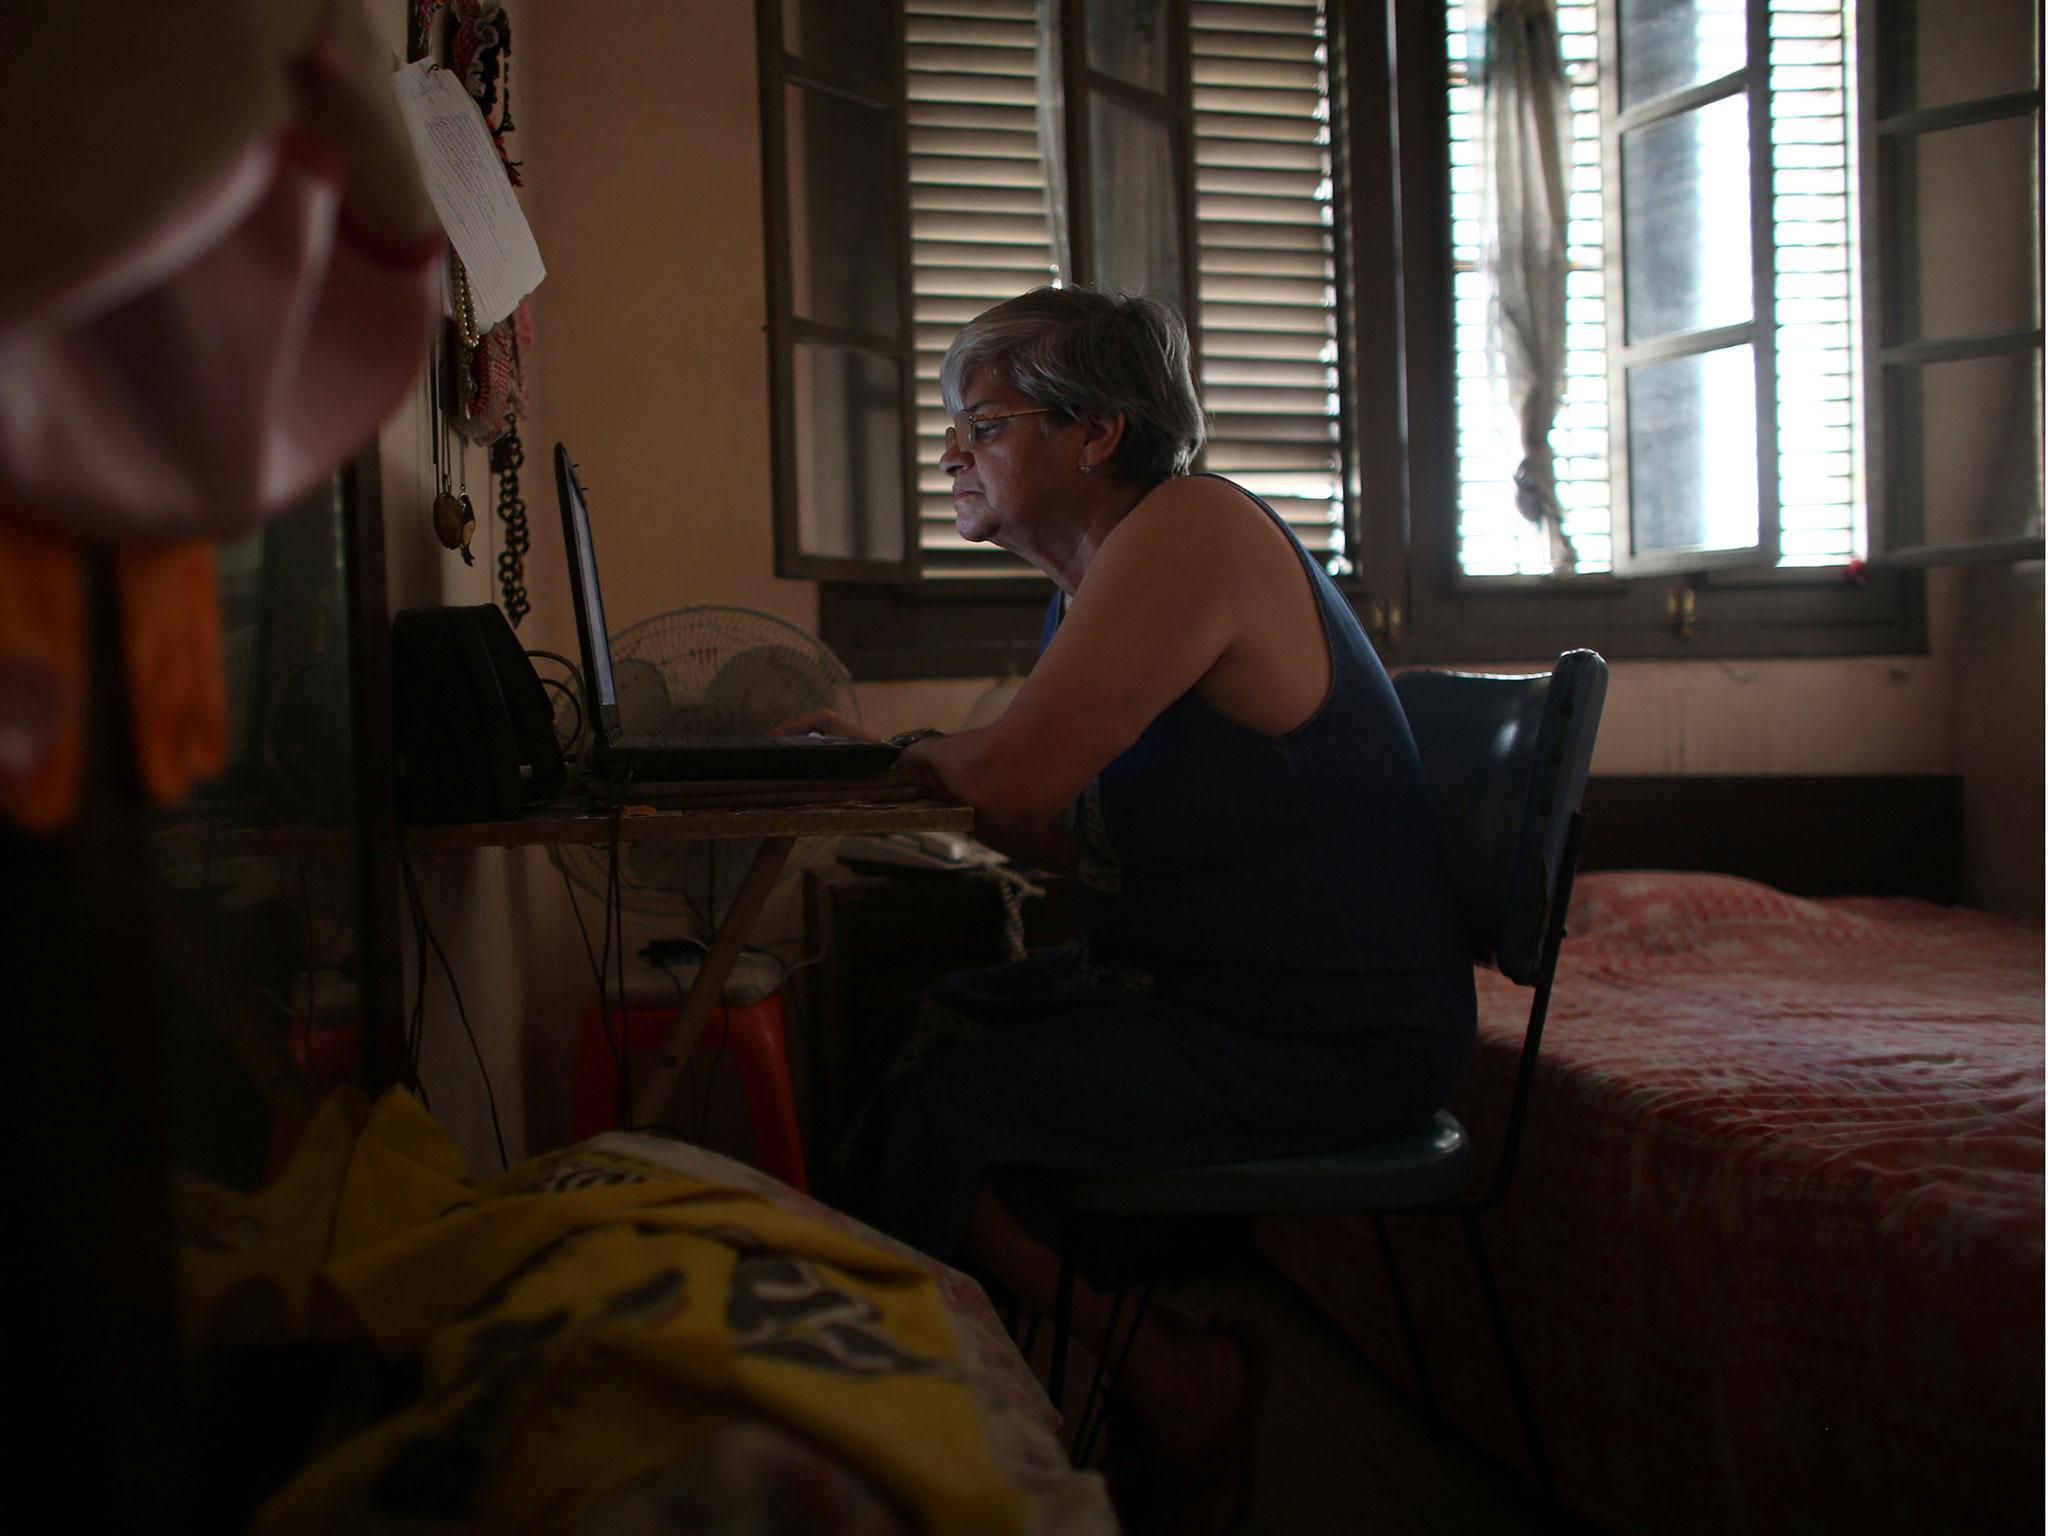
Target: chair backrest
column 1506, row 760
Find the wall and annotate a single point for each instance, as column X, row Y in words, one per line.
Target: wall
column 638, row 126
column 475, row 902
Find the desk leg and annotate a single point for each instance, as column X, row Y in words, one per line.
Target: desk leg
column 709, row 986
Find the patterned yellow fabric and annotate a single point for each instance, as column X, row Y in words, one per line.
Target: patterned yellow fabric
column 583, row 1321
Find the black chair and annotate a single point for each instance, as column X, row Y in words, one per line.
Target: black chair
column 1506, row 760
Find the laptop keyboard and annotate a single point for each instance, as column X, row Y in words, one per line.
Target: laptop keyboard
column 772, row 743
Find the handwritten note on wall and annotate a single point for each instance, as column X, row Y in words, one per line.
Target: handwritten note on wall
column 470, row 191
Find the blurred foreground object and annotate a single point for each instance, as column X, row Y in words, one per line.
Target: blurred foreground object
column 217, row 275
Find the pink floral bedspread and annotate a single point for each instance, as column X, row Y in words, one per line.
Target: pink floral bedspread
column 1773, row 1255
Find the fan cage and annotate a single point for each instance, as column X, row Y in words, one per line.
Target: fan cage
column 711, row 669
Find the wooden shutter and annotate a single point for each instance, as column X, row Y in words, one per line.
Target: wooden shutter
column 1265, row 315
column 1266, row 309
column 979, row 230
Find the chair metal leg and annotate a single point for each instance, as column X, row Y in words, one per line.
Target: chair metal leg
column 1517, row 1385
column 1406, row 1317
column 1095, row 1411
column 1062, row 1323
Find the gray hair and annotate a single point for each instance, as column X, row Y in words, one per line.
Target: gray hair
column 1089, row 355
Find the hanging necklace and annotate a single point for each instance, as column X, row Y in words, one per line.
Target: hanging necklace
column 454, row 517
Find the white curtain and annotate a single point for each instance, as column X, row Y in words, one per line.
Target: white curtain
column 1052, row 135
column 1524, row 148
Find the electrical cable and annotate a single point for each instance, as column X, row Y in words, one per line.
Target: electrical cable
column 615, row 938
column 575, row 741
column 416, row 1027
column 566, row 664
column 724, row 1013
column 462, row 1013
column 682, row 999
column 604, row 1012
column 312, row 1010
column 574, row 690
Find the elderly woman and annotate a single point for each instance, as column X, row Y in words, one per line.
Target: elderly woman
column 1208, row 742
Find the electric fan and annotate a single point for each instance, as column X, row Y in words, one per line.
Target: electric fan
column 708, row 669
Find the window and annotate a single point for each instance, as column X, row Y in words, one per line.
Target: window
column 1760, row 391
column 985, row 222
column 1659, row 164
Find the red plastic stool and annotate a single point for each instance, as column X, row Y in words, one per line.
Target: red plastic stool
column 329, row 1055
column 752, row 1032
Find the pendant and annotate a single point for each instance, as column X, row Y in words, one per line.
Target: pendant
column 455, row 524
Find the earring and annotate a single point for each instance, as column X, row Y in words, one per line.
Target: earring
column 1087, row 468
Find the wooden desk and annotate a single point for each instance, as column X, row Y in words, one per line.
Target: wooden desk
column 775, row 826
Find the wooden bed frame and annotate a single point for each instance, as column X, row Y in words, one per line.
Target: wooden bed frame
column 1807, row 834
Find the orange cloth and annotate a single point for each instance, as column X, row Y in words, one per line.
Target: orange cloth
column 170, row 626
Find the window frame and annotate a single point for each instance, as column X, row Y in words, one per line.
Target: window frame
column 1452, row 617
column 779, row 70
column 1876, row 127
column 1751, row 85
column 1397, row 431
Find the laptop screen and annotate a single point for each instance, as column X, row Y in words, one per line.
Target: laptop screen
column 591, row 634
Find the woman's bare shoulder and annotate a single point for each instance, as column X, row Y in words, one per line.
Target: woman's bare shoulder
column 1200, row 516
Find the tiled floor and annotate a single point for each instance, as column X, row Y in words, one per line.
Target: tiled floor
column 1341, row 1450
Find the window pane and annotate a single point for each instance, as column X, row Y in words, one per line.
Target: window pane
column 843, row 214
column 1685, row 221
column 849, row 453
column 1136, row 203
column 1968, row 455
column 1960, row 224
column 1692, row 452
column 1128, row 39
column 1936, row 52
column 1667, row 45
column 851, row 35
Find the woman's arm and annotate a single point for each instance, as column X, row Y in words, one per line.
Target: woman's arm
column 1164, row 599
column 937, row 763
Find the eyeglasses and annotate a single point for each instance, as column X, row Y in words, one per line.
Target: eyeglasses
column 967, row 431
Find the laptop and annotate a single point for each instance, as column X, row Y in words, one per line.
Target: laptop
column 619, row 759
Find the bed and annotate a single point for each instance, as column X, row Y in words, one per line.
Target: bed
column 1774, row 1252
column 629, row 1335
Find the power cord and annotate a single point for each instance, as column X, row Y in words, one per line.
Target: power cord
column 416, row 1023
column 573, row 692
column 724, row 1009
column 615, row 929
column 570, row 747
column 604, row 1008
column 312, row 1008
column 649, row 954
column 426, row 929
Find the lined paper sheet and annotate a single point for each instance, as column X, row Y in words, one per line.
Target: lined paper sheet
column 470, row 190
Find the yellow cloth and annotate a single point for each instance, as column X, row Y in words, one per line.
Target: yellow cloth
column 583, row 1321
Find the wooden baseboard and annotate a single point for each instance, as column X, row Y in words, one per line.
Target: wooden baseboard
column 1809, row 834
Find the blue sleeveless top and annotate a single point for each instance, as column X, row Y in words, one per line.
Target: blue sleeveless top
column 1300, row 875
